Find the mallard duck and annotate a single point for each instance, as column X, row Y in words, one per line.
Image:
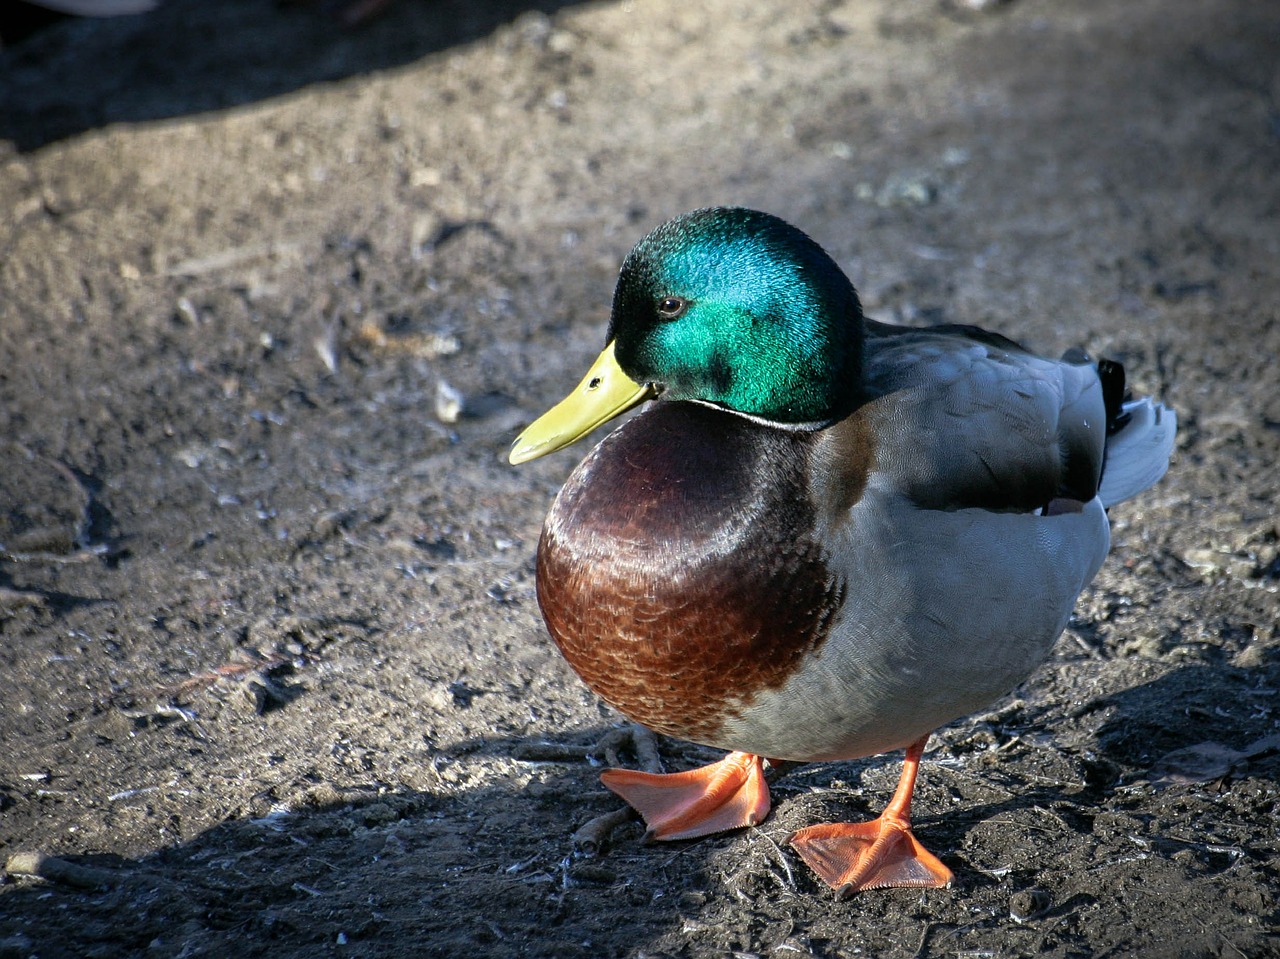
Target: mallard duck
column 827, row 536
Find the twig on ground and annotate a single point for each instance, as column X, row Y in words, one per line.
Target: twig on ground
column 643, row 742
column 591, row 837
column 13, row 598
column 254, row 671
column 53, row 869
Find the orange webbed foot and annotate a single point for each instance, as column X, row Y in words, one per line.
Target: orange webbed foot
column 879, row 854
column 728, row 794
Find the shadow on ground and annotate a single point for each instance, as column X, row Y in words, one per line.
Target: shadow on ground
column 172, row 62
column 490, row 869
column 494, row 869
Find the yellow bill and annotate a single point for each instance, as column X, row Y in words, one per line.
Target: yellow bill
column 605, row 392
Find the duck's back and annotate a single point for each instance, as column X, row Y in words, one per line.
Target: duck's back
column 971, row 419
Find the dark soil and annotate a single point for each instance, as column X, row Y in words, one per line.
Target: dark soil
column 272, row 676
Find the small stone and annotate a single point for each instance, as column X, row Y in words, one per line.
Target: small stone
column 449, row 402
column 377, row 814
column 1028, row 904
column 426, row 176
column 187, row 311
column 561, row 41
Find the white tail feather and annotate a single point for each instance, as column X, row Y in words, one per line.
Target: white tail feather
column 1138, row 455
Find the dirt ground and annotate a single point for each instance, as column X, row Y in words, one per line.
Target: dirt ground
column 274, row 300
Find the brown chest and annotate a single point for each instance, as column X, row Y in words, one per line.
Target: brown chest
column 677, row 571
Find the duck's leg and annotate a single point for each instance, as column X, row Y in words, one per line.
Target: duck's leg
column 874, row 855
column 727, row 794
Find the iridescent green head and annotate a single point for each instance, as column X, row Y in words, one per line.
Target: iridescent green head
column 727, row 306
column 739, row 308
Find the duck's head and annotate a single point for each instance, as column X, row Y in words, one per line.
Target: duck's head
column 726, row 306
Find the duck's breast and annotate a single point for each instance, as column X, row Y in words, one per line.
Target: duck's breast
column 677, row 570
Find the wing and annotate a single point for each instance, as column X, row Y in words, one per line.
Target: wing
column 966, row 418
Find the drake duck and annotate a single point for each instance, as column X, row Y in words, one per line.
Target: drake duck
column 828, row 536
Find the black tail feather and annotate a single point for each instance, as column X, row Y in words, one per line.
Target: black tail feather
column 1111, row 374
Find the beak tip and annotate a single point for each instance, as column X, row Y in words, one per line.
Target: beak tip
column 525, row 448
column 520, row 453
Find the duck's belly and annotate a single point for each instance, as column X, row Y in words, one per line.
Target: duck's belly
column 946, row 635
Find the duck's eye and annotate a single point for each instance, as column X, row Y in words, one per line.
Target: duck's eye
column 672, row 307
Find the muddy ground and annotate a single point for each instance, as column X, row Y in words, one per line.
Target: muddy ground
column 274, row 300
